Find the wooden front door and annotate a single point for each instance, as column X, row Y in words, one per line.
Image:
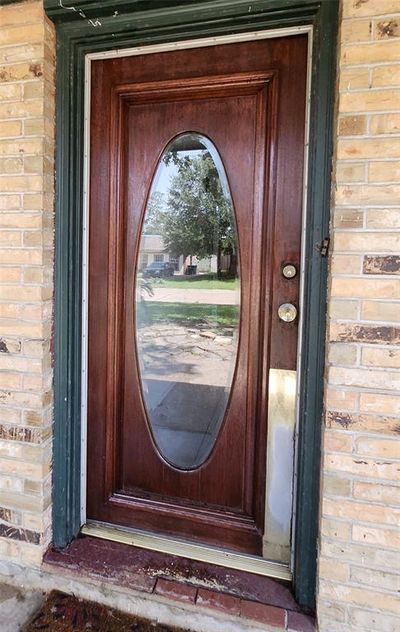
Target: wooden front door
column 195, row 209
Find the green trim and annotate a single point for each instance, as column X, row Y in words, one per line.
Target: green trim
column 138, row 24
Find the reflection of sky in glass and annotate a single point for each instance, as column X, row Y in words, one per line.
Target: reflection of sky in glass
column 163, row 179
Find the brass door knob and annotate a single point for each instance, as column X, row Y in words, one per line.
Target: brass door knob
column 287, row 312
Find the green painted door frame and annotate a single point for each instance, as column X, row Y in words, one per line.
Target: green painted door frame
column 87, row 26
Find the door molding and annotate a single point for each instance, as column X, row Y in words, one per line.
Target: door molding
column 101, row 27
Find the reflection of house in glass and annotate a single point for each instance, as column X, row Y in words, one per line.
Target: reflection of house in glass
column 152, row 249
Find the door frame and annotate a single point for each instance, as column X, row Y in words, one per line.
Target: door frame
column 133, row 536
column 99, row 27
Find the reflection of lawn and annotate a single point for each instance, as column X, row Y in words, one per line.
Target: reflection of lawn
column 201, row 282
column 150, row 312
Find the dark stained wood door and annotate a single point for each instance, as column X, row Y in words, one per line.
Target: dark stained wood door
column 249, row 100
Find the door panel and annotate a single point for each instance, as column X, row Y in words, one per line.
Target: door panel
column 249, row 100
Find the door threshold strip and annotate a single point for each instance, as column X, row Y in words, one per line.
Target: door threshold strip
column 181, row 548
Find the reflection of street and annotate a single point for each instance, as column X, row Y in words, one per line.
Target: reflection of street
column 187, row 295
column 187, row 354
column 187, row 372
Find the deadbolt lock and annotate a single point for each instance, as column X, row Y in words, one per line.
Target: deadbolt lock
column 289, row 271
column 287, row 312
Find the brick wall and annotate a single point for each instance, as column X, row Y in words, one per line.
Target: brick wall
column 26, row 271
column 360, row 537
column 359, row 565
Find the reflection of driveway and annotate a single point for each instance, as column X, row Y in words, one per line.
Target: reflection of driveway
column 187, row 295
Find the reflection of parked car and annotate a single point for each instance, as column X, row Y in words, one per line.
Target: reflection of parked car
column 159, row 269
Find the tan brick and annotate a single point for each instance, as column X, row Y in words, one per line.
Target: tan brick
column 11, row 165
column 10, row 275
column 12, row 92
column 353, row 78
column 385, row 76
column 9, row 202
column 368, row 148
column 356, row 31
column 34, row 90
column 33, row 146
column 351, row 172
column 21, row 183
column 331, row 610
column 381, row 448
column 366, row 101
column 383, row 218
column 10, row 380
column 348, row 218
column 342, row 354
column 338, row 572
column 380, row 403
column 364, row 377
column 337, row 529
column 10, row 128
column 370, row 620
column 19, row 35
column 365, row 288
column 358, row 596
column 360, row 511
column 355, row 422
column 389, row 358
column 362, row 467
column 381, row 311
column 367, row 194
column 20, row 256
column 337, row 441
column 357, row 9
column 20, row 220
column 336, row 486
column 385, row 51
column 26, row 13
column 368, row 242
column 343, row 309
column 385, row 494
column 345, row 264
column 352, row 125
column 23, row 109
column 339, row 399
column 20, row 72
column 36, row 127
column 389, row 538
column 33, row 275
column 384, row 171
column 33, row 164
column 361, row 554
column 385, row 124
column 9, row 238
column 7, row 310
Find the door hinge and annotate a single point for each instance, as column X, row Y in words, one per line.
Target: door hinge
column 324, row 247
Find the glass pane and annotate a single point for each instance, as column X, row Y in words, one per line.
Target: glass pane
column 187, row 300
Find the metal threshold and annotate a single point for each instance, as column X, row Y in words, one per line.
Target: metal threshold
column 182, row 548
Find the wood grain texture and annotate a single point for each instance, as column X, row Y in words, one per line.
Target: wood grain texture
column 250, row 100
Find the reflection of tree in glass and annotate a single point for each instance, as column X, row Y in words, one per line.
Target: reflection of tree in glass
column 154, row 212
column 197, row 218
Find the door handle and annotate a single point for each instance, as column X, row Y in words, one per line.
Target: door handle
column 287, row 312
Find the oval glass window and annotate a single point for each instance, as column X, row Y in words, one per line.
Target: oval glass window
column 187, row 301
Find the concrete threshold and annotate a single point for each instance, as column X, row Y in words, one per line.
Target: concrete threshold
column 30, row 584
